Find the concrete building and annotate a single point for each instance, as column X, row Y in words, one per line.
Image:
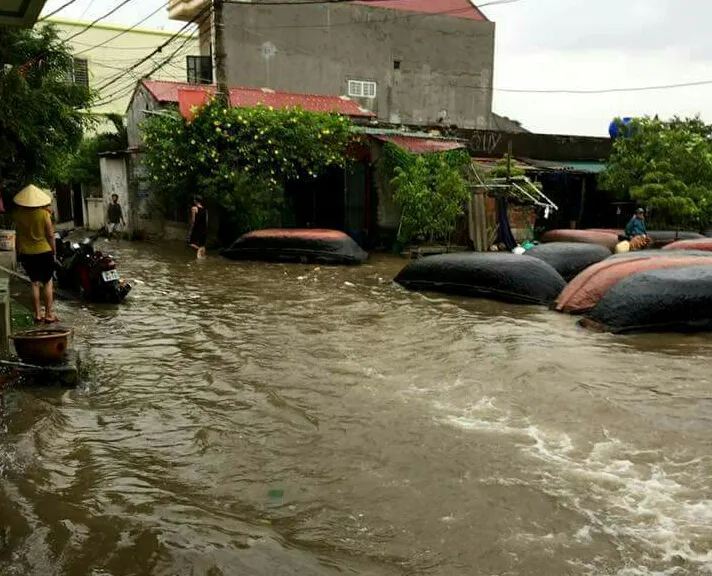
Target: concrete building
column 415, row 62
column 104, row 53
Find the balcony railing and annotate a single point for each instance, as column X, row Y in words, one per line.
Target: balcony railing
column 185, row 9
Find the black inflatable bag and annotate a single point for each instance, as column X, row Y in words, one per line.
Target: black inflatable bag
column 667, row 300
column 662, row 237
column 504, row 277
column 659, row 254
column 569, row 258
column 309, row 245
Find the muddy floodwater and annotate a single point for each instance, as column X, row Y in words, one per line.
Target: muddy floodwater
column 267, row 420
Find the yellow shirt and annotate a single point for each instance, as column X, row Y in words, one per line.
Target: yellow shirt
column 31, row 237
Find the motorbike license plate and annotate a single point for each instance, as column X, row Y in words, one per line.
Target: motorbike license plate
column 110, row 275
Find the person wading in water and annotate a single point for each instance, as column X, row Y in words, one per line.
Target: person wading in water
column 114, row 216
column 198, row 226
column 36, row 247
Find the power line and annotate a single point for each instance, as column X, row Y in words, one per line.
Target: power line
column 99, row 19
column 200, row 16
column 607, row 90
column 142, row 48
column 105, row 42
column 136, row 75
column 91, row 3
column 496, row 2
column 62, row 7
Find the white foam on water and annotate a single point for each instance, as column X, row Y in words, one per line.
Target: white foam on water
column 646, row 506
column 8, row 460
column 643, row 502
column 482, row 417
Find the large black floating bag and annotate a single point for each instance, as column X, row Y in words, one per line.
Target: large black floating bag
column 569, row 258
column 663, row 237
column 658, row 254
column 666, row 300
column 504, row 277
column 297, row 245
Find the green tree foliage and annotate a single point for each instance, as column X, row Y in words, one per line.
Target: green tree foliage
column 430, row 189
column 240, row 158
column 667, row 167
column 83, row 165
column 41, row 114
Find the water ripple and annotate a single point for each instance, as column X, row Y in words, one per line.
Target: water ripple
column 291, row 419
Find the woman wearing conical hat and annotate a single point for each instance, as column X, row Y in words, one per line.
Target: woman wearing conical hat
column 36, row 246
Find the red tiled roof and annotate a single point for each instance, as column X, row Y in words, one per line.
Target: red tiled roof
column 165, row 92
column 419, row 144
column 453, row 8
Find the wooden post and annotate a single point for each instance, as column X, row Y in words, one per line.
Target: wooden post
column 484, row 231
column 479, row 221
column 5, row 317
column 583, row 200
column 509, row 161
column 471, row 228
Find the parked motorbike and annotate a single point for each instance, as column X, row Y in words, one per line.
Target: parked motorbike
column 85, row 270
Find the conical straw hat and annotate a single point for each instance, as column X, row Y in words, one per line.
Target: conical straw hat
column 32, row 197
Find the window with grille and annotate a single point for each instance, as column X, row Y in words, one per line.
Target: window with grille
column 79, row 73
column 361, row 89
column 200, row 69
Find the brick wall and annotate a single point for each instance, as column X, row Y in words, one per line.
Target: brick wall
column 521, row 217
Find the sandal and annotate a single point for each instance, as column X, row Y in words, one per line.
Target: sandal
column 39, row 320
column 51, row 320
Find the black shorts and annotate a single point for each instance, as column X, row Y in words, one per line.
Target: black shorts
column 198, row 239
column 39, row 267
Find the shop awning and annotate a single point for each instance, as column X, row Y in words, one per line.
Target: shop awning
column 23, row 13
column 574, row 166
column 489, row 163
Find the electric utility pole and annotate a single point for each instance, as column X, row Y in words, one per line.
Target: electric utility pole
column 219, row 51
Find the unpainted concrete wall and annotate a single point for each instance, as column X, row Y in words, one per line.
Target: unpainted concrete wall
column 115, row 180
column 95, row 214
column 135, row 115
column 444, row 71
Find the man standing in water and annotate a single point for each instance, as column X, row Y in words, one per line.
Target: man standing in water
column 198, row 226
column 114, row 216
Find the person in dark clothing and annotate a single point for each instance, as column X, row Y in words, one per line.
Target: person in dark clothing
column 636, row 226
column 198, row 226
column 636, row 232
column 114, row 216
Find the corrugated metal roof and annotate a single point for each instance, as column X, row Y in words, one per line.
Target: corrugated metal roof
column 588, row 167
column 247, row 97
column 452, row 8
column 490, row 162
column 420, row 144
column 371, row 131
column 569, row 165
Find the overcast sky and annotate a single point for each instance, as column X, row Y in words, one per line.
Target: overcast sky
column 562, row 45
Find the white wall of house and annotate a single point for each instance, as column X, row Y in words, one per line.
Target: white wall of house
column 105, row 51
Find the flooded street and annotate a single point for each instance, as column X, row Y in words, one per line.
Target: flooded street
column 252, row 419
